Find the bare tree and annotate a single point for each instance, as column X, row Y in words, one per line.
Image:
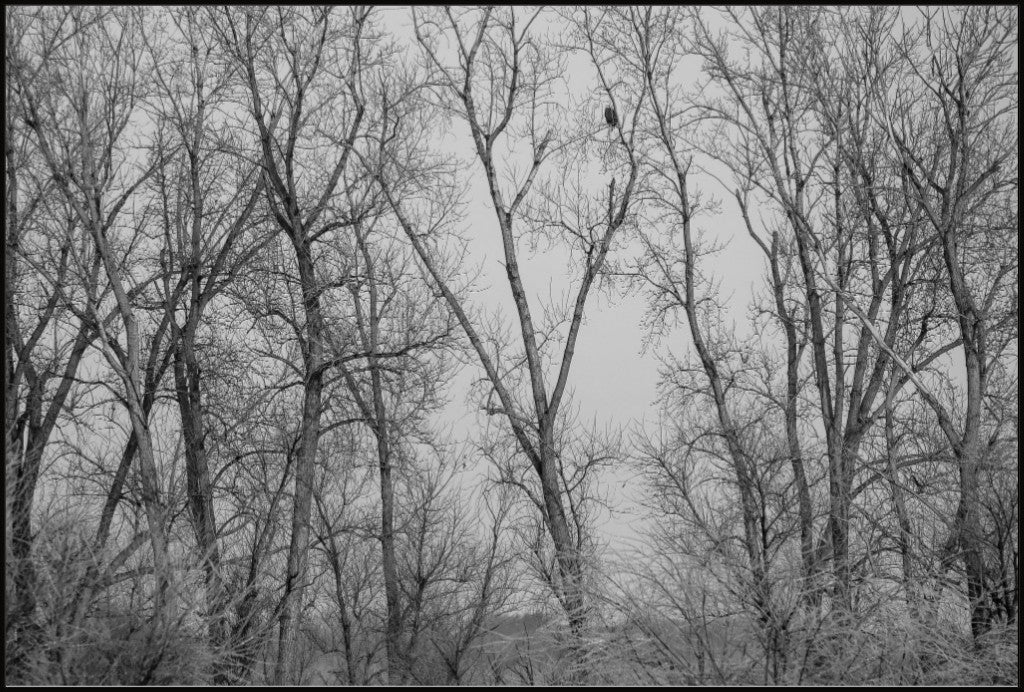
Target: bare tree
column 950, row 129
column 340, row 531
column 670, row 274
column 499, row 80
column 394, row 315
column 481, row 583
column 805, row 140
column 205, row 216
column 324, row 58
column 37, row 279
column 90, row 165
column 238, row 274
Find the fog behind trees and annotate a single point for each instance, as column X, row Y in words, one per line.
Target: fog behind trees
column 641, row 345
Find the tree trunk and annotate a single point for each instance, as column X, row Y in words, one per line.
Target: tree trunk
column 397, row 663
column 399, row 666
column 156, row 516
column 23, row 463
column 567, row 555
column 839, row 519
column 155, row 369
column 803, row 493
column 198, row 482
column 972, row 535
column 902, row 517
column 305, row 462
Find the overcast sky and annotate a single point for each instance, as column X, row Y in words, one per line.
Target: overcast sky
column 614, row 377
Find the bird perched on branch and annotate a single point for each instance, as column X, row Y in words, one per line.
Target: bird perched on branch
column 610, row 117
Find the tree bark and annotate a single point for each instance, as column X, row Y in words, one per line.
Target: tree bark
column 305, row 461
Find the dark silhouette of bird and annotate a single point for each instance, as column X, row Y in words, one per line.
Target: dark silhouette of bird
column 610, row 117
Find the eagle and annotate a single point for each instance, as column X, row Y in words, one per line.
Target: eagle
column 610, row 117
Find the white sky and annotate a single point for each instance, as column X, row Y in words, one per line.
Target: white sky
column 613, row 379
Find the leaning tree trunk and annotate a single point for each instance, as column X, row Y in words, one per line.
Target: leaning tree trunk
column 305, row 461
